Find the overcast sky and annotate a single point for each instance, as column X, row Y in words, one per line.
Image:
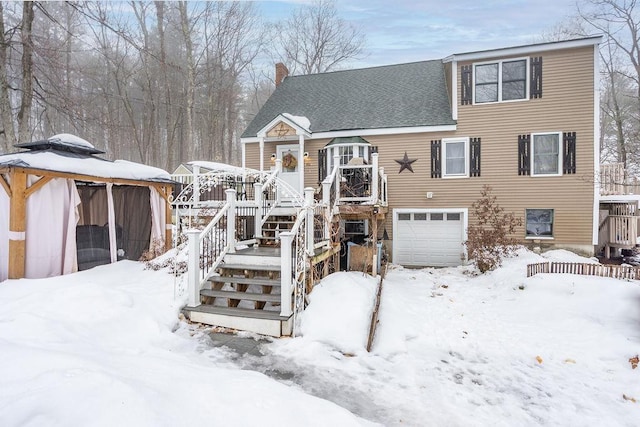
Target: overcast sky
column 413, row 30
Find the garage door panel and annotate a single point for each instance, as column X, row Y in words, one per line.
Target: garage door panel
column 429, row 242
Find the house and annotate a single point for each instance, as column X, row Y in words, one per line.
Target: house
column 523, row 120
column 64, row 209
column 398, row 154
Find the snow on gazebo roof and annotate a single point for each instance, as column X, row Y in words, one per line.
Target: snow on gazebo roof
column 68, row 153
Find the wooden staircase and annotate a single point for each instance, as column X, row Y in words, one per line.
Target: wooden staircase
column 273, row 226
column 244, row 293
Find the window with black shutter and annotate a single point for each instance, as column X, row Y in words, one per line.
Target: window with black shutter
column 467, row 85
column 524, row 154
column 547, row 154
column 474, row 157
column 436, row 159
column 535, row 85
column 569, row 152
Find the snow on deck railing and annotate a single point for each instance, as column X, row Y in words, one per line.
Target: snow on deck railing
column 585, row 269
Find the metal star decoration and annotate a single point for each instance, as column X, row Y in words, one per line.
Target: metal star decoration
column 405, row 163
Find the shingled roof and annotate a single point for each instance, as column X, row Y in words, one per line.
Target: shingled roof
column 402, row 95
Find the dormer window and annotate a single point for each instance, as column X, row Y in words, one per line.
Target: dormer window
column 500, row 81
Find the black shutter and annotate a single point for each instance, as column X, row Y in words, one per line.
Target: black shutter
column 322, row 165
column 436, row 162
column 535, row 86
column 466, row 85
column 569, row 152
column 474, row 157
column 524, row 154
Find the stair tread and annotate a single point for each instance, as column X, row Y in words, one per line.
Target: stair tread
column 231, row 266
column 238, row 312
column 246, row 280
column 252, row 296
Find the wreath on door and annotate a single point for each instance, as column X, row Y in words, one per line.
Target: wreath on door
column 289, row 161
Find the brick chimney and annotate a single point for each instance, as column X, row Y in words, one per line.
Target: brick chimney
column 281, row 73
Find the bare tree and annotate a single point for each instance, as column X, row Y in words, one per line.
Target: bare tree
column 24, row 113
column 619, row 21
column 8, row 133
column 315, row 39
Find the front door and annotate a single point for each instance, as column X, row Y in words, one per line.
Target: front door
column 290, row 156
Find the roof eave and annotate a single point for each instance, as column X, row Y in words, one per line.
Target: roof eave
column 369, row 132
column 526, row 49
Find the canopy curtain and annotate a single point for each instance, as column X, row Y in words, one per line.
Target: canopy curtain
column 52, row 215
column 133, row 219
column 4, row 235
column 158, row 222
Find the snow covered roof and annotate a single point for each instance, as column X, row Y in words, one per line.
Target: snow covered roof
column 62, row 142
column 69, row 154
column 301, row 121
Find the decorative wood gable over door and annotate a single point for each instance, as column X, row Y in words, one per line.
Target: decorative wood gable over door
column 285, row 130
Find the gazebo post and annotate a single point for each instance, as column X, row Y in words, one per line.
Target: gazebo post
column 17, row 224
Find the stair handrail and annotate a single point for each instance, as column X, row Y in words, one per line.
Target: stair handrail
column 296, row 247
column 203, row 259
column 266, row 186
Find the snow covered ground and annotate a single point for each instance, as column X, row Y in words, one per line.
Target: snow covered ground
column 104, row 347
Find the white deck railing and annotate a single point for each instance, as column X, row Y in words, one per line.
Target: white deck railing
column 623, row 230
column 614, row 180
column 208, row 247
column 356, row 184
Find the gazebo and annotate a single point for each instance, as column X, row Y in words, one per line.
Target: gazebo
column 64, row 209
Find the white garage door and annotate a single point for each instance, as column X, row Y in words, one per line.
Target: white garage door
column 428, row 238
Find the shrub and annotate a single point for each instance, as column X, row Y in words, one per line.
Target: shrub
column 489, row 239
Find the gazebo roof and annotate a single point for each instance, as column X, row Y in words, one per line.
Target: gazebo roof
column 72, row 155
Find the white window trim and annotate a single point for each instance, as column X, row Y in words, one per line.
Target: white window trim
column 560, row 157
column 360, row 149
column 553, row 223
column 500, row 62
column 446, row 141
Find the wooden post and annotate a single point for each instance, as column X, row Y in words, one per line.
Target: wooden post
column 231, row 220
column 286, row 239
column 193, row 268
column 17, row 225
column 374, row 241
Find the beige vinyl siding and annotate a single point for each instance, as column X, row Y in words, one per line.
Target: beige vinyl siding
column 566, row 106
